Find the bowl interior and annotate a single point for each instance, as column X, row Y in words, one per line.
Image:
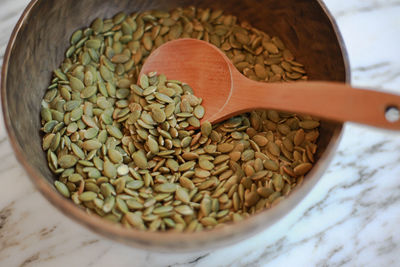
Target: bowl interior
column 43, row 35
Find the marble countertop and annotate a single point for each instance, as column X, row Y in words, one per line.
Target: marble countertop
column 350, row 218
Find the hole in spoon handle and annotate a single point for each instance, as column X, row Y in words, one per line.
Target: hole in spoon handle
column 392, row 113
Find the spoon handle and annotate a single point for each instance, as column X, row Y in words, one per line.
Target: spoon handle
column 329, row 100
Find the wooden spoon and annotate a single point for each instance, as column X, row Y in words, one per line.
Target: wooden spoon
column 226, row 92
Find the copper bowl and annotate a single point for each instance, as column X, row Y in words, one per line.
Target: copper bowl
column 37, row 46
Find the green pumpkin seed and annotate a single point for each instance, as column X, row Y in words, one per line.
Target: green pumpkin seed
column 248, row 155
column 184, row 210
column 205, row 206
column 47, row 141
column 169, row 109
column 299, row 137
column 187, row 166
column 273, row 148
column 55, row 142
column 186, row 141
column 153, row 145
column 199, row 112
column 182, row 195
column 97, row 25
column 193, row 121
column 163, row 98
column 187, row 183
column 278, row 182
column 144, row 81
column 115, row 156
column 109, row 204
column 120, row 58
column 45, row 114
column 76, row 84
column 140, row 159
column 114, row 131
column 166, row 188
column 309, row 124
column 67, row 161
column 205, row 164
column 134, row 205
column 121, row 205
column 158, row 115
column 71, row 105
column 271, row 165
column 95, row 44
column 76, row 36
column 137, row 184
column 206, row 128
column 78, row 151
column 87, row 196
column 135, row 220
column 208, row 221
column 107, row 190
column 60, row 75
column 162, row 209
column 91, row 145
column 89, row 91
column 91, row 133
column 109, row 169
column 62, row 188
column 105, row 73
column 76, row 114
column 302, row 168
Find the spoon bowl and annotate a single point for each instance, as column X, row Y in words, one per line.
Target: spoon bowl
column 211, row 78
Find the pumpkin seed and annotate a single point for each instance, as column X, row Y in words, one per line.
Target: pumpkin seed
column 199, row 112
column 87, row 196
column 62, row 188
column 163, row 98
column 302, row 168
column 91, row 133
column 76, row 84
column 184, row 210
column 187, row 183
column 205, row 164
column 158, row 115
column 308, row 124
column 153, row 145
column 114, row 131
column 109, row 169
column 91, row 145
column 115, row 156
column 140, row 159
column 206, row 128
column 88, row 91
column 225, row 147
column 182, row 195
column 67, row 161
column 95, row 44
column 208, row 221
column 166, row 188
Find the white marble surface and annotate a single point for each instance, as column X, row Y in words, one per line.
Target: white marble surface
column 351, row 218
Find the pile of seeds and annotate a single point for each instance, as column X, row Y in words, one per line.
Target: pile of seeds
column 125, row 152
